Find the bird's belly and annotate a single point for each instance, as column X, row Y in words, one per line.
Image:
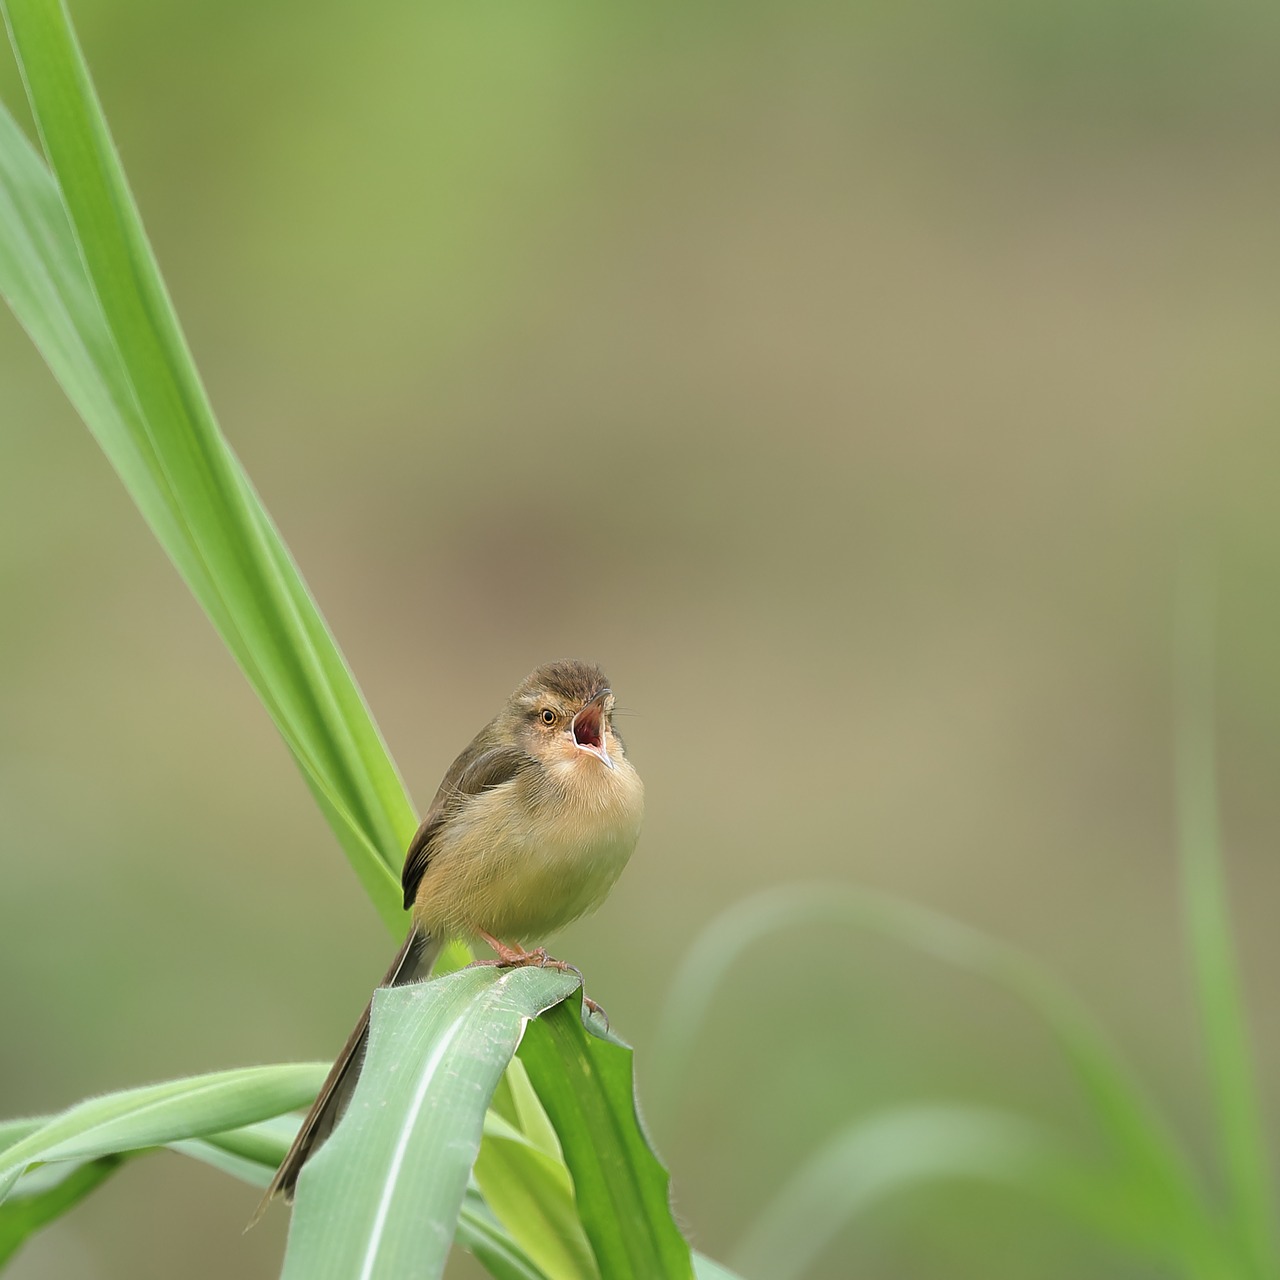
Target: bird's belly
column 521, row 882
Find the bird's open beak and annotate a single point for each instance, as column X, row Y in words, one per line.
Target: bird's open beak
column 588, row 728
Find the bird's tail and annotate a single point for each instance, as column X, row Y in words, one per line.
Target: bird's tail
column 413, row 961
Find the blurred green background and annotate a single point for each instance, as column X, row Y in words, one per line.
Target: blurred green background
column 845, row 378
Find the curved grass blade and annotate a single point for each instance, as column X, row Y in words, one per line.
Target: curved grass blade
column 585, row 1083
column 12, row 1131
column 80, row 275
column 251, row 1153
column 1167, row 1202
column 880, row 1156
column 381, row 1199
column 161, row 1113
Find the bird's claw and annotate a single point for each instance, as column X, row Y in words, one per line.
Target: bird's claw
column 518, row 957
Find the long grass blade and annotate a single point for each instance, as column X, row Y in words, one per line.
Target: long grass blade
column 1240, row 1129
column 161, row 1113
column 76, row 267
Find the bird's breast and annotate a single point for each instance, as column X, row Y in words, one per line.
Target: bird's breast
column 525, row 858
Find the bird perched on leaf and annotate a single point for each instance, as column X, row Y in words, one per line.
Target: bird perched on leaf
column 529, row 830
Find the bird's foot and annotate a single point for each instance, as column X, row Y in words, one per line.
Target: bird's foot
column 514, row 957
column 517, row 957
column 592, row 1007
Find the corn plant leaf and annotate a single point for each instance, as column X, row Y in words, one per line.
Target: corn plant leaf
column 160, row 1113
column 253, row 1153
column 76, row 268
column 47, row 1193
column 584, row 1081
column 382, row 1197
column 480, row 1233
column 529, row 1189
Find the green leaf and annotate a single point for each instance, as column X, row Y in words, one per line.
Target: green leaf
column 1169, row 1214
column 42, row 1196
column 76, row 267
column 882, row 1155
column 1241, row 1131
column 79, row 274
column 12, row 1131
column 517, row 1102
column 480, row 1233
column 585, row 1083
column 382, row 1197
column 161, row 1113
column 253, row 1154
column 531, row 1194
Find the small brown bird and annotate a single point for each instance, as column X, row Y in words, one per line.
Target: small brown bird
column 530, row 828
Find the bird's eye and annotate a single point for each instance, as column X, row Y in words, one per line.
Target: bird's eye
column 548, row 716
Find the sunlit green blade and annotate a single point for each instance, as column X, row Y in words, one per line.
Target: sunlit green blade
column 585, row 1083
column 530, row 1192
column 12, row 1131
column 251, row 1153
column 161, row 1113
column 480, row 1233
column 1241, row 1132
column 517, row 1103
column 78, row 271
column 42, row 1196
column 381, row 1198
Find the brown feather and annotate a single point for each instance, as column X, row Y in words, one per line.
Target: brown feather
column 485, row 763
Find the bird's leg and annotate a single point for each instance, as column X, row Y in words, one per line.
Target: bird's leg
column 515, row 957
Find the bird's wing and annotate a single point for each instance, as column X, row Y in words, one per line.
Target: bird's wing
column 477, row 769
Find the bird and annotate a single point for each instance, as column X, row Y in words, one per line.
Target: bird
column 529, row 830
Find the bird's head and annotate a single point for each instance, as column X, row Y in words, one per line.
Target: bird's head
column 564, row 712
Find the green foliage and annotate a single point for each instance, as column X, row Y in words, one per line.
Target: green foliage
column 584, row 1082
column 45, row 1195
column 1240, row 1129
column 381, row 1197
column 565, row 1186
column 48, row 1165
column 76, row 267
column 1147, row 1200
